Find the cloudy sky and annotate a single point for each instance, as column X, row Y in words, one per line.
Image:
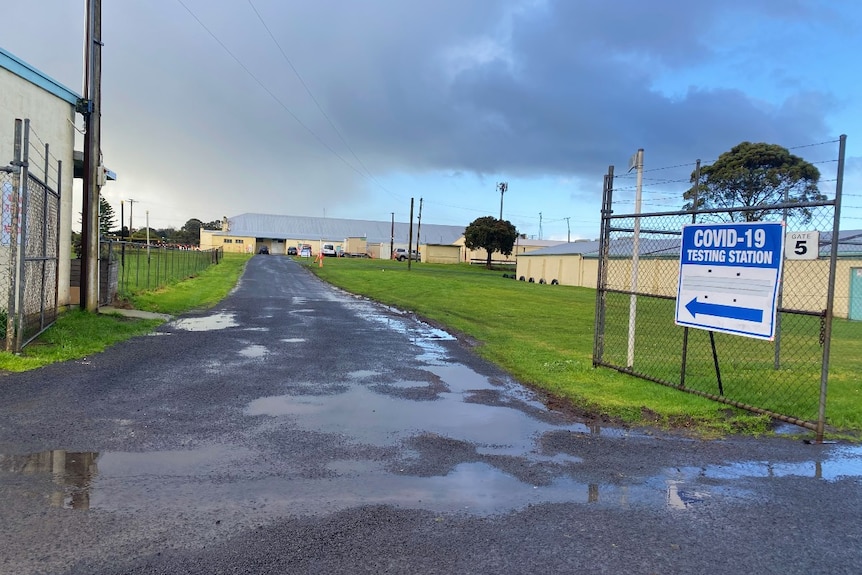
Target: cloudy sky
column 348, row 108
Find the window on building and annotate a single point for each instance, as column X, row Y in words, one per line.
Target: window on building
column 239, row 241
column 228, row 241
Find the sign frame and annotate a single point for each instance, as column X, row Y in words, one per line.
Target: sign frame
column 729, row 277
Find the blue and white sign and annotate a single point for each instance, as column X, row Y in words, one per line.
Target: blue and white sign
column 729, row 276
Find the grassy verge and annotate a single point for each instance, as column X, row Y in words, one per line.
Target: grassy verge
column 77, row 334
column 543, row 335
column 203, row 291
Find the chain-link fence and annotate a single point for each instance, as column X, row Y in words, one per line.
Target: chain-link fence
column 29, row 240
column 131, row 267
column 38, row 302
column 8, row 249
column 636, row 331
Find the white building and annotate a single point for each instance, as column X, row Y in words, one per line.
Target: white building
column 27, row 93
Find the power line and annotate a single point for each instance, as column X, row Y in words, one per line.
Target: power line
column 317, row 103
column 268, row 91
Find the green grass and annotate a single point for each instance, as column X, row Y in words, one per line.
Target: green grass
column 77, row 334
column 204, row 290
column 141, row 270
column 543, row 335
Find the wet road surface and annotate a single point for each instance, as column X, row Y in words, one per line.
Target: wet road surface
column 298, row 429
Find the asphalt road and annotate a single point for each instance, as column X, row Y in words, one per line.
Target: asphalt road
column 298, row 429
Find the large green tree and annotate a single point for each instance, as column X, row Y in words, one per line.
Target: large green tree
column 190, row 233
column 755, row 176
column 213, row 225
column 492, row 235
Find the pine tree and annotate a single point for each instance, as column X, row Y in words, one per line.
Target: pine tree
column 107, row 217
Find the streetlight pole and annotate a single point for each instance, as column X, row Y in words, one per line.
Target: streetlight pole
column 502, row 186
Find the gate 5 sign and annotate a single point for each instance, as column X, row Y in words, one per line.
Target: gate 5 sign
column 729, row 276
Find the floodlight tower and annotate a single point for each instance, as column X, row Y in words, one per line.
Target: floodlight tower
column 502, row 186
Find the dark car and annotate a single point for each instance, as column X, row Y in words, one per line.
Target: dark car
column 263, row 250
column 291, row 251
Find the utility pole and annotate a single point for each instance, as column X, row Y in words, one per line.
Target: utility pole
column 568, row 231
column 92, row 157
column 410, row 237
column 131, row 211
column 502, row 186
column 392, row 237
column 419, row 228
column 540, row 225
column 636, row 162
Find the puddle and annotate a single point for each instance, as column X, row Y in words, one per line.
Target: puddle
column 208, row 323
column 294, row 340
column 374, row 418
column 460, row 378
column 843, row 463
column 407, row 385
column 254, row 351
column 362, row 374
column 286, row 405
column 225, row 478
column 70, row 474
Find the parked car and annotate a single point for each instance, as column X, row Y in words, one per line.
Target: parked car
column 328, row 250
column 305, row 251
column 292, row 251
column 400, row 254
column 263, row 250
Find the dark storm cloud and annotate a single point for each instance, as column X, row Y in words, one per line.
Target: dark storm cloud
column 201, row 102
column 570, row 88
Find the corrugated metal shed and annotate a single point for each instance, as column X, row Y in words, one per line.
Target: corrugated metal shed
column 335, row 229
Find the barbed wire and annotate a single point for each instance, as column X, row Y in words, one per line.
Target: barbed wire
column 835, row 141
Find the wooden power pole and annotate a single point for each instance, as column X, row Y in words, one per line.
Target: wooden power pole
column 92, row 158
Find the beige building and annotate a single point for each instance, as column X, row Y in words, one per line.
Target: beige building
column 248, row 233
column 27, row 93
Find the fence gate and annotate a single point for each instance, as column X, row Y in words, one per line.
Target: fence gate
column 636, row 332
column 29, row 240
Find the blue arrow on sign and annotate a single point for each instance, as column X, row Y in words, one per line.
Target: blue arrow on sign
column 695, row 307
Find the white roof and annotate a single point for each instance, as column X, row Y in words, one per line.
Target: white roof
column 336, row 229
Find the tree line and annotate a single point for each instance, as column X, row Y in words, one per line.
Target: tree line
column 187, row 235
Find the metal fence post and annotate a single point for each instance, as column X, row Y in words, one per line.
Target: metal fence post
column 694, row 201
column 604, row 235
column 830, row 296
column 12, row 308
column 22, row 236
